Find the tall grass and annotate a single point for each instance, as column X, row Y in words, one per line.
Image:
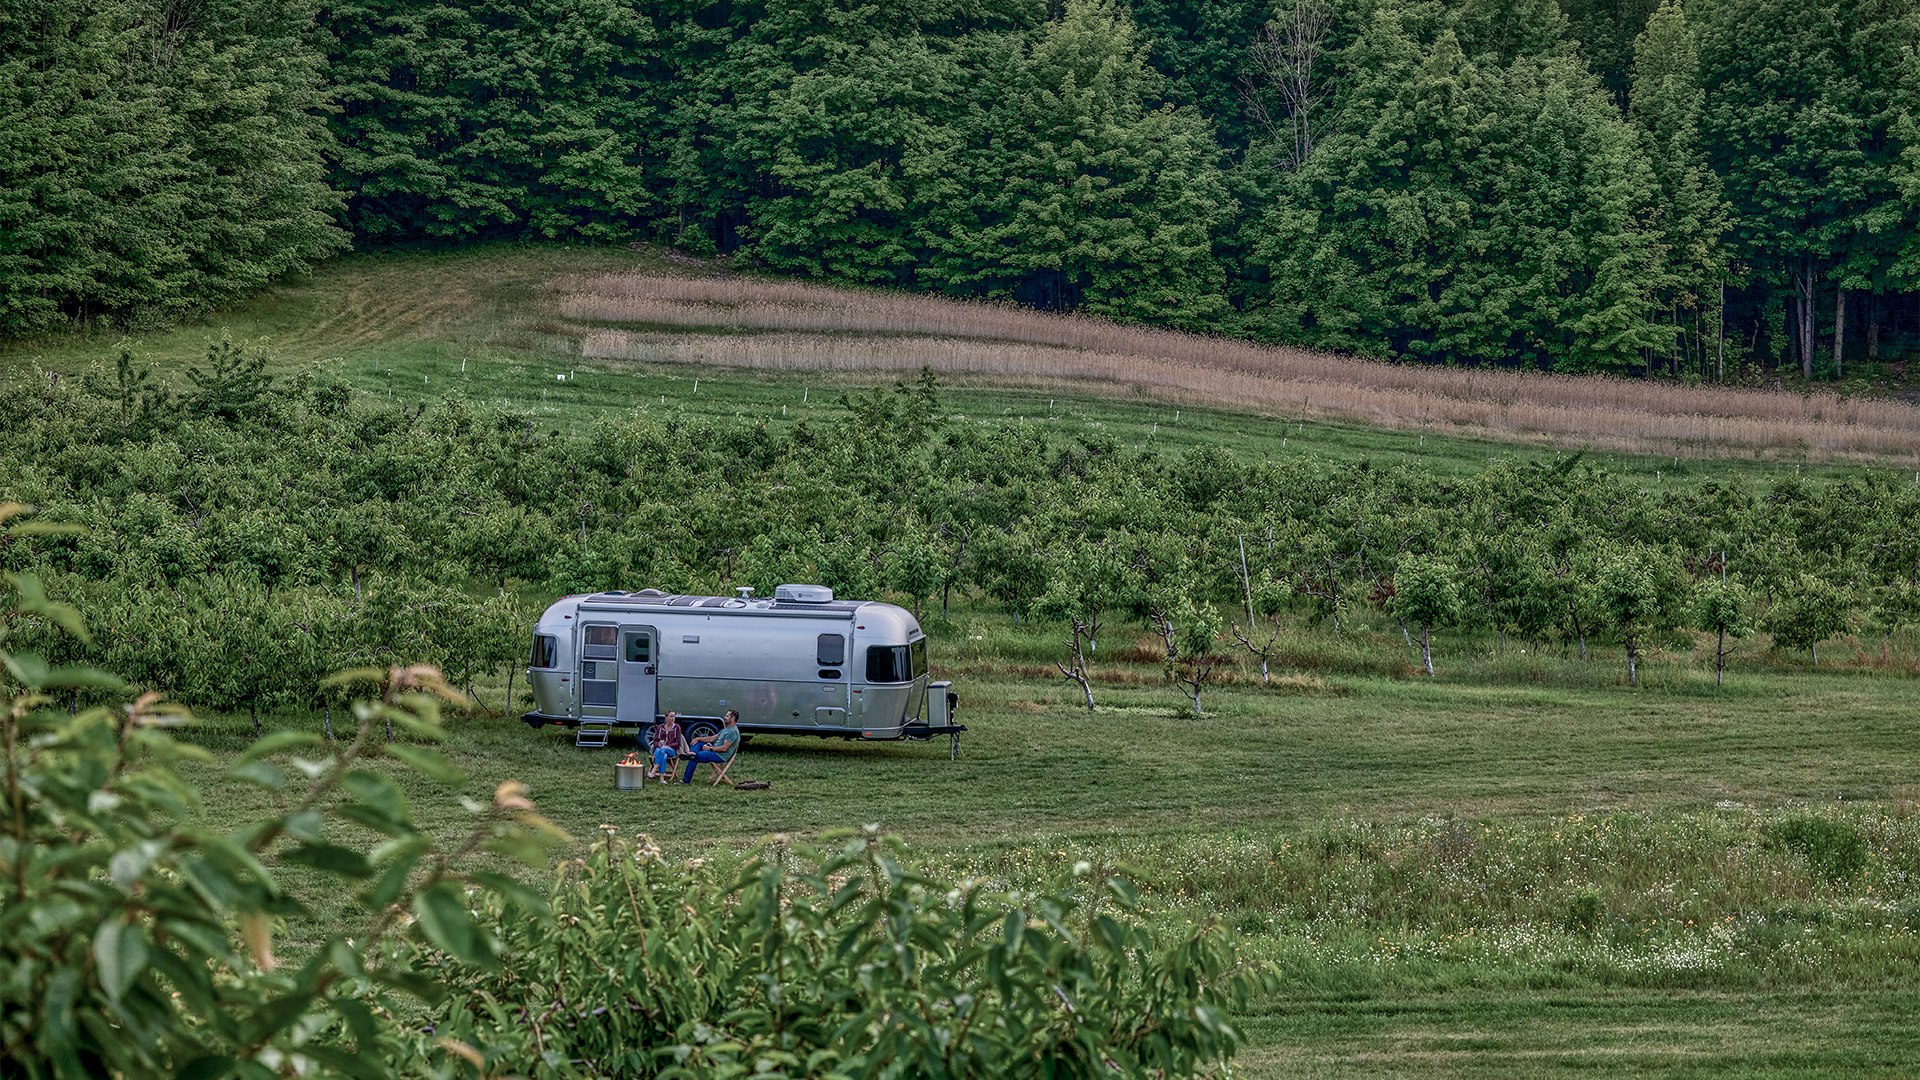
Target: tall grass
column 788, row 325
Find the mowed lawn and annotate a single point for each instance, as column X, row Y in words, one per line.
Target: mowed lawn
column 1661, row 792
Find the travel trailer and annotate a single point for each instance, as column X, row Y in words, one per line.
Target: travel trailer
column 800, row 663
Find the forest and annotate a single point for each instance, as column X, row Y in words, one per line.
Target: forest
column 1716, row 189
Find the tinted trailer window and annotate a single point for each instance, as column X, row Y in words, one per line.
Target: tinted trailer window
column 896, row 663
column 888, row 664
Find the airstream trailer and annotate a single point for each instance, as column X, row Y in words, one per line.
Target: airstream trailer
column 798, row 663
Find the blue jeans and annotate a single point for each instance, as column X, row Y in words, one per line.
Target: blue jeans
column 694, row 760
column 662, row 755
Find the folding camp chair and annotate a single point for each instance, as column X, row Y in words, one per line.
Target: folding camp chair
column 720, row 767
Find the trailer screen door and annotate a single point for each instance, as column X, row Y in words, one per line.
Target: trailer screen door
column 599, row 677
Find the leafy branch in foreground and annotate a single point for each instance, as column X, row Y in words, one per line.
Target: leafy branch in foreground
column 137, row 942
column 835, row 963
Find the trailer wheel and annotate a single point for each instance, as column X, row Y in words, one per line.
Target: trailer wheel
column 700, row 729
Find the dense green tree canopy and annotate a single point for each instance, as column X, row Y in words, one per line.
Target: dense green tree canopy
column 1690, row 186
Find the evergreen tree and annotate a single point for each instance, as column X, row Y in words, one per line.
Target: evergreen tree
column 1606, row 31
column 92, row 169
column 1084, row 189
column 490, row 118
column 1665, row 106
column 156, row 160
column 1805, row 109
column 1461, row 210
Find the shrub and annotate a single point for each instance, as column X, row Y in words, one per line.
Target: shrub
column 1585, row 909
column 837, row 964
column 1834, row 850
column 119, row 914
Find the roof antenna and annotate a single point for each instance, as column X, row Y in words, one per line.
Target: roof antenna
column 745, row 591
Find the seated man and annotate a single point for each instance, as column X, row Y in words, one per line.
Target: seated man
column 663, row 742
column 717, row 749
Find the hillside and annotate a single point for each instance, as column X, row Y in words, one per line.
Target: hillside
column 498, row 324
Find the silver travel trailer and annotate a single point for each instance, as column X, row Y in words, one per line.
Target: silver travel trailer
column 800, row 663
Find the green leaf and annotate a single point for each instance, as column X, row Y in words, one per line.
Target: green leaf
column 120, row 954
column 351, row 676
column 430, row 762
column 277, row 742
column 346, row 1062
column 127, row 866
column 393, row 882
column 33, row 601
column 304, row 825
column 47, row 528
column 510, row 889
column 207, row 1068
column 419, row 986
column 377, row 793
column 444, row 919
column 261, row 774
column 332, row 858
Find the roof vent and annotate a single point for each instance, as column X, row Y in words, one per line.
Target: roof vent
column 804, row 594
column 650, row 593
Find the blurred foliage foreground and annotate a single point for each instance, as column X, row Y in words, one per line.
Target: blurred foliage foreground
column 138, row 944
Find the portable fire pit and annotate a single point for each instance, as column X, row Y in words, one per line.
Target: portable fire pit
column 628, row 772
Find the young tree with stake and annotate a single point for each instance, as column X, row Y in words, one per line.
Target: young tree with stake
column 1719, row 607
column 1427, row 594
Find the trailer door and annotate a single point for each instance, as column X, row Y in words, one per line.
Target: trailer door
column 830, row 659
column 639, row 674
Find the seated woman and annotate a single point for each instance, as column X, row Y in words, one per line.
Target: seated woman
column 717, row 748
column 663, row 739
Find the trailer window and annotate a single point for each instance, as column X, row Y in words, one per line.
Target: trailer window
column 542, row 651
column 600, row 642
column 640, row 647
column 888, row 664
column 919, row 651
column 832, row 650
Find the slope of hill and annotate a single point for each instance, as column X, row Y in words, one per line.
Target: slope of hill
column 501, row 322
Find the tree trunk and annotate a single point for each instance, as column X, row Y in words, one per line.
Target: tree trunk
column 1803, row 285
column 1720, row 332
column 1814, row 651
column 326, row 713
column 509, row 708
column 1426, row 648
column 1577, row 630
column 1720, row 660
column 1246, row 581
column 1873, row 328
column 1078, row 671
column 1633, row 663
column 253, row 709
column 1408, row 638
column 1839, row 327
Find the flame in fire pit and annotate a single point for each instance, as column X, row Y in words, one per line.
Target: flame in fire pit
column 632, row 759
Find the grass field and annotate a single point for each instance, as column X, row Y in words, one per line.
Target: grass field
column 1522, row 868
column 1461, row 877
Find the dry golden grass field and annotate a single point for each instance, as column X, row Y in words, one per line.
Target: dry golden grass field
column 694, row 315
